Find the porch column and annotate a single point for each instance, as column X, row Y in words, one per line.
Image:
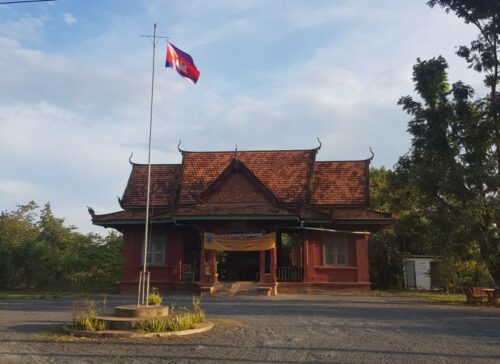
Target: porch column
column 272, row 269
column 362, row 259
column 262, row 267
column 213, row 266
column 202, row 258
column 306, row 259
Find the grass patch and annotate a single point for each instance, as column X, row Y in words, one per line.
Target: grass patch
column 33, row 295
column 85, row 314
column 450, row 298
column 58, row 337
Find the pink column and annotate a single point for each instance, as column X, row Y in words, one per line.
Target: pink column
column 362, row 259
column 213, row 266
column 306, row 259
column 262, row 267
column 202, row 258
column 273, row 264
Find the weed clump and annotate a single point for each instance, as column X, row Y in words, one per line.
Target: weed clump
column 154, row 297
column 84, row 314
column 179, row 319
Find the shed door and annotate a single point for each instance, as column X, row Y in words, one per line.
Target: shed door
column 410, row 275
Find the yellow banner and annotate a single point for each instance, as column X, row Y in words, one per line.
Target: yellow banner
column 256, row 243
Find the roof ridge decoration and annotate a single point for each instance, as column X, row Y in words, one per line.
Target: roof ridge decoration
column 182, row 151
column 310, row 175
column 180, row 180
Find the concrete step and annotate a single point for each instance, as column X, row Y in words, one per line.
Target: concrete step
column 141, row 311
column 239, row 288
column 120, row 323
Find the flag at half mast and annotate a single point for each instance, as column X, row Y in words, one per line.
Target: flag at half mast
column 182, row 63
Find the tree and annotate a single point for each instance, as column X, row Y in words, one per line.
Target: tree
column 482, row 54
column 452, row 163
column 37, row 251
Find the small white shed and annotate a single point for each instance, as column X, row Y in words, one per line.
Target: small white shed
column 417, row 271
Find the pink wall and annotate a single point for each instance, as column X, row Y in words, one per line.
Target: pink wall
column 356, row 271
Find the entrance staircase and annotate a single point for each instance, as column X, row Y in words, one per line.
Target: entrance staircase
column 236, row 289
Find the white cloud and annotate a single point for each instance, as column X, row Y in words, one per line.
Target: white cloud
column 68, row 18
column 69, row 117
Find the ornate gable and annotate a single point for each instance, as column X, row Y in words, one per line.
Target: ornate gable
column 237, row 185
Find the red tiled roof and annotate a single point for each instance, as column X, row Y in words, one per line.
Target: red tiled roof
column 160, row 214
column 284, row 173
column 360, row 214
column 164, row 184
column 340, row 183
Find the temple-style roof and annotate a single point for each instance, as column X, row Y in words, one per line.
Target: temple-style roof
column 340, row 183
column 284, row 173
column 284, row 184
column 164, row 184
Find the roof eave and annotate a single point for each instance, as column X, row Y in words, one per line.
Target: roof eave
column 235, row 217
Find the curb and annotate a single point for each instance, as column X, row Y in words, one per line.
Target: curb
column 199, row 328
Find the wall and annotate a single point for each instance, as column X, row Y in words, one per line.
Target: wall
column 356, row 271
column 165, row 277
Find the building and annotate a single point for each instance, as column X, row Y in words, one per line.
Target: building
column 418, row 272
column 280, row 218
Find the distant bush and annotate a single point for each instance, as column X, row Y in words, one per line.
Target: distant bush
column 38, row 252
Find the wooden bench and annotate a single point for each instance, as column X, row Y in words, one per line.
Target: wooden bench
column 493, row 295
column 475, row 295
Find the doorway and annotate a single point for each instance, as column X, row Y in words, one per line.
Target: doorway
column 238, row 266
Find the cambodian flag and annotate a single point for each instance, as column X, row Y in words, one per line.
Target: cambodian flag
column 182, row 63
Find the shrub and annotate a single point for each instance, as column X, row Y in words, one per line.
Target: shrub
column 154, row 297
column 85, row 317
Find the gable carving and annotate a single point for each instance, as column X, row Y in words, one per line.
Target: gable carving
column 236, row 189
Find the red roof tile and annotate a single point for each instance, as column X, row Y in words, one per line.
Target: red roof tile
column 360, row 214
column 164, row 185
column 284, row 173
column 340, row 183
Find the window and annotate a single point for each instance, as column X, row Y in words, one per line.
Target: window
column 334, row 250
column 156, row 248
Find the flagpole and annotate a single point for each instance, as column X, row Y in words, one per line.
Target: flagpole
column 146, row 230
column 143, row 289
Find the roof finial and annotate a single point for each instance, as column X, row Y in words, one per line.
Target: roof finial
column 179, row 146
column 236, row 152
column 319, row 141
column 91, row 211
column 130, row 158
column 373, row 154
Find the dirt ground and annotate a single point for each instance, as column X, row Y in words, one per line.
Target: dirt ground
column 282, row 329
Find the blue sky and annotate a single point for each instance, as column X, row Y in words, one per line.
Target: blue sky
column 75, row 76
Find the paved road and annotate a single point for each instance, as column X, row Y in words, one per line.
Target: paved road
column 283, row 329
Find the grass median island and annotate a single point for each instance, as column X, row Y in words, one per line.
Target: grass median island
column 86, row 318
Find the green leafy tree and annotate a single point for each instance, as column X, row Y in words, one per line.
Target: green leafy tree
column 482, row 55
column 452, row 163
column 37, row 251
